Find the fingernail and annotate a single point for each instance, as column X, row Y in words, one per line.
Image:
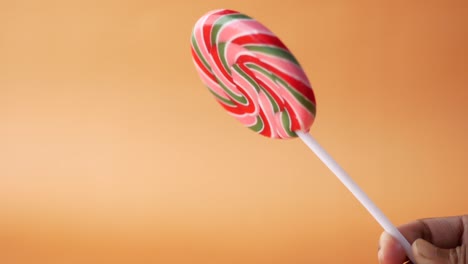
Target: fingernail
column 384, row 242
column 385, row 238
column 379, row 251
column 424, row 249
column 380, row 256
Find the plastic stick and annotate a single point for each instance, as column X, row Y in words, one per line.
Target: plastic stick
column 356, row 191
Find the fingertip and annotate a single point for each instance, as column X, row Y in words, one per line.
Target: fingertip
column 380, row 256
column 390, row 251
column 422, row 249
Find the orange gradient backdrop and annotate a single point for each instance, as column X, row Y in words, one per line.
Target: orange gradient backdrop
column 112, row 151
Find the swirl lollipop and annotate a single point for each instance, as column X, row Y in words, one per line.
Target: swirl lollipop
column 255, row 77
column 252, row 74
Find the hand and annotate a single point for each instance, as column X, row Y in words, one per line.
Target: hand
column 434, row 241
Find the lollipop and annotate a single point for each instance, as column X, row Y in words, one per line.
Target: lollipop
column 252, row 74
column 255, row 77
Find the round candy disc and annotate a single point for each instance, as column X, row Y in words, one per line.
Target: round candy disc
column 252, row 74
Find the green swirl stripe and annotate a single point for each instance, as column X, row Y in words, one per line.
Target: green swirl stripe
column 304, row 101
column 222, row 99
column 257, row 87
column 286, row 120
column 241, row 99
column 273, row 51
column 244, row 75
column 199, row 54
column 222, row 21
column 259, row 125
column 274, row 104
column 222, row 57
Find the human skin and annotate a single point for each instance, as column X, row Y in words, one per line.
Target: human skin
column 434, row 241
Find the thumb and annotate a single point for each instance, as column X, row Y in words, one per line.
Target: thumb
column 427, row 253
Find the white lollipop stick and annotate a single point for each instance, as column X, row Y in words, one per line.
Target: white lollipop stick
column 356, row 191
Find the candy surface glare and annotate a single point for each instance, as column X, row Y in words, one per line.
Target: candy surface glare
column 252, row 74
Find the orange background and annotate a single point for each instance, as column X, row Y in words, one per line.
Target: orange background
column 112, row 151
